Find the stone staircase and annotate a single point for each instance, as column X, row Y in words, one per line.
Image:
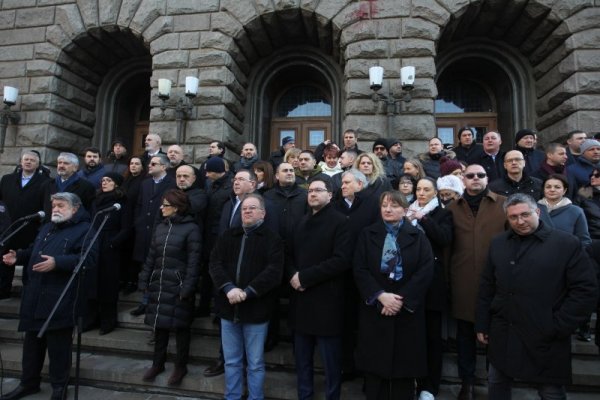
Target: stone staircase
column 118, row 360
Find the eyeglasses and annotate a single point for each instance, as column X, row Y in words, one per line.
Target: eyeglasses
column 164, row 205
column 317, row 190
column 471, row 175
column 523, row 215
column 513, row 160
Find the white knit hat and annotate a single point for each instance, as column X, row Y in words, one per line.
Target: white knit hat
column 450, row 182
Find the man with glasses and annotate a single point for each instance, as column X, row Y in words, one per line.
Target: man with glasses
column 146, row 211
column 321, row 258
column 526, row 324
column 516, row 180
column 478, row 217
column 246, row 267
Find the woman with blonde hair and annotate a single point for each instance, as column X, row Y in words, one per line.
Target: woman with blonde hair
column 414, row 168
column 291, row 156
column 370, row 165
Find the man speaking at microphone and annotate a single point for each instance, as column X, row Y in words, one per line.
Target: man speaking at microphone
column 49, row 262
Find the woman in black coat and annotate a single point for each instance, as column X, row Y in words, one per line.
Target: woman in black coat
column 131, row 187
column 393, row 267
column 107, row 272
column 428, row 214
column 169, row 276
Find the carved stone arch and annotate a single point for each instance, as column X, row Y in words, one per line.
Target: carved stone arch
column 512, row 63
column 265, row 71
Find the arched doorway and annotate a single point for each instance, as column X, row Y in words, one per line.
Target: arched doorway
column 304, row 113
column 485, row 84
column 295, row 92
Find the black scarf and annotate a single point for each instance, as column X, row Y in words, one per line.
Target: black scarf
column 474, row 201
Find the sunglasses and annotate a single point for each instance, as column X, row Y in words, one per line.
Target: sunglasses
column 471, row 175
column 596, row 175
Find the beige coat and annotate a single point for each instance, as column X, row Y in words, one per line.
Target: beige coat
column 472, row 237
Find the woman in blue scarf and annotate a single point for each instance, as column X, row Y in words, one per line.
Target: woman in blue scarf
column 393, row 267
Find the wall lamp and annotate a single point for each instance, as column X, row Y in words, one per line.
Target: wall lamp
column 6, row 114
column 183, row 107
column 407, row 80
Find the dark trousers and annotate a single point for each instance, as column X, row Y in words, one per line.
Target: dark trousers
column 431, row 383
column 378, row 388
column 6, row 278
column 58, row 343
column 466, row 348
column 330, row 349
column 182, row 341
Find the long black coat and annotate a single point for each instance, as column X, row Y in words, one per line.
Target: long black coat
column 533, row 293
column 22, row 201
column 393, row 347
column 41, row 290
column 321, row 257
column 105, row 281
column 146, row 213
column 259, row 272
column 170, row 273
column 438, row 227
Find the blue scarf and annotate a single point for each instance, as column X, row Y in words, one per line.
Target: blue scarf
column 62, row 186
column 391, row 259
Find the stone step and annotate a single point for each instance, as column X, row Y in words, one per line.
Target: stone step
column 127, row 371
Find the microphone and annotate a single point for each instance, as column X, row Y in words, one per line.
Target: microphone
column 37, row 215
column 114, row 207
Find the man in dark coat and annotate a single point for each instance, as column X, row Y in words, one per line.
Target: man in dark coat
column 216, row 149
column 49, row 263
column 467, row 150
column 276, row 158
column 186, row 180
column 393, row 170
column 248, row 158
column 574, row 140
column 152, row 148
column 320, row 260
column 67, row 180
column 21, row 192
column 117, row 159
column 93, row 169
column 492, row 158
column 431, row 159
column 308, row 170
column 525, row 143
column 537, row 287
column 246, row 266
column 516, row 180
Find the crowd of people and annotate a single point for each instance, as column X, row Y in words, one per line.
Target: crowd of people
column 378, row 255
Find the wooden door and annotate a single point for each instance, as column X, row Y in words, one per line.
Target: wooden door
column 308, row 132
column 447, row 126
column 139, row 137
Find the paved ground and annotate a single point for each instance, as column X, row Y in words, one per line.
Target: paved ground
column 93, row 393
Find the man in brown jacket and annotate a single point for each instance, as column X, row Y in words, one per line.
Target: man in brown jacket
column 478, row 217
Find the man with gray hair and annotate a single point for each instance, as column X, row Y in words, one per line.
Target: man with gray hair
column 67, row 180
column 152, row 148
column 49, row 262
column 527, row 325
column 21, row 192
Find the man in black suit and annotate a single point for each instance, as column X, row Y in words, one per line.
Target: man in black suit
column 21, row 193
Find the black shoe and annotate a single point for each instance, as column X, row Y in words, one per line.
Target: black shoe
column 19, row 392
column 59, row 394
column 216, row 369
column 141, row 309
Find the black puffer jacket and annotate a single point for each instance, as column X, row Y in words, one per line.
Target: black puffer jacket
column 170, row 273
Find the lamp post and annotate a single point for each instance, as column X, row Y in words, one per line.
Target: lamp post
column 183, row 107
column 6, row 114
column 407, row 80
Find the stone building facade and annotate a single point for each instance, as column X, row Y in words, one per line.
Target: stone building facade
column 87, row 70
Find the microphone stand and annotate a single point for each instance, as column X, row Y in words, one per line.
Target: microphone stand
column 78, row 267
column 13, row 233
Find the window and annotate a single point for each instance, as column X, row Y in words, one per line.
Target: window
column 303, row 101
column 461, row 96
